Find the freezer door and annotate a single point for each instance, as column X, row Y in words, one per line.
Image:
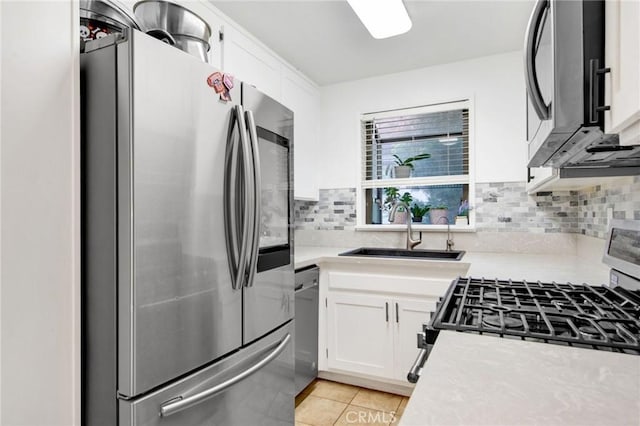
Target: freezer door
column 253, row 386
column 177, row 308
column 268, row 295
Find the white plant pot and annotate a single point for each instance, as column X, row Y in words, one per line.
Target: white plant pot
column 435, row 216
column 402, row 171
column 400, row 218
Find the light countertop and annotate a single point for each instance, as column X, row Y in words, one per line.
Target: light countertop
column 470, row 379
column 515, row 266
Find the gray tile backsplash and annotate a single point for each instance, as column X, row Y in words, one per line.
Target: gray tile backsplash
column 506, row 207
column 335, row 210
column 502, row 207
column 623, row 199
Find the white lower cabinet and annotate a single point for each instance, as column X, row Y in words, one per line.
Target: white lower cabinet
column 360, row 334
column 371, row 311
column 410, row 315
column 374, row 335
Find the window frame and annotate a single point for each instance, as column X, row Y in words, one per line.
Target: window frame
column 469, row 179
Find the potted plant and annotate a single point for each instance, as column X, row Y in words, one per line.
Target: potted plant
column 437, row 213
column 463, row 213
column 393, row 196
column 418, row 211
column 403, row 168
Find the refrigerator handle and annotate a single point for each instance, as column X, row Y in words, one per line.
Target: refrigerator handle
column 257, row 191
column 178, row 404
column 232, row 191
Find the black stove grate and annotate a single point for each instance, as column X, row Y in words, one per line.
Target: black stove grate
column 576, row 315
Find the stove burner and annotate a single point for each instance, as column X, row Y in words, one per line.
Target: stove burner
column 493, row 321
column 593, row 333
column 498, row 308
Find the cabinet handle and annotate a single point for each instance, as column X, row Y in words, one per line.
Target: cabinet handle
column 386, row 308
column 397, row 314
column 594, row 90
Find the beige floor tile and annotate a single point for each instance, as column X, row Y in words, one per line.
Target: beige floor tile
column 335, row 391
column 354, row 415
column 400, row 411
column 302, row 424
column 301, row 397
column 319, row 411
column 377, row 400
column 404, row 402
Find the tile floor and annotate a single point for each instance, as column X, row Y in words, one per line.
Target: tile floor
column 329, row 403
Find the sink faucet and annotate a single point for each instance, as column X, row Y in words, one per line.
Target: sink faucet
column 411, row 243
column 449, row 239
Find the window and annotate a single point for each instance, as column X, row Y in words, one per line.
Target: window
column 418, row 156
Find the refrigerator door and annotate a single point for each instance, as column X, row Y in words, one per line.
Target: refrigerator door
column 269, row 295
column 253, row 386
column 177, row 306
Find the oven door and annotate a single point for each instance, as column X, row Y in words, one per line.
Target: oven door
column 539, row 79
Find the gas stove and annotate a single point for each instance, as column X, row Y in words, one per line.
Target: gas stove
column 591, row 317
column 576, row 315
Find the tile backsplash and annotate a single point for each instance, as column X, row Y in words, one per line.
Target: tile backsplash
column 502, row 207
column 335, row 210
column 506, row 207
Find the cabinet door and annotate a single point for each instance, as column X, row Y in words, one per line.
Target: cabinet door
column 409, row 315
column 304, row 100
column 359, row 334
column 252, row 63
column 622, row 55
column 538, row 176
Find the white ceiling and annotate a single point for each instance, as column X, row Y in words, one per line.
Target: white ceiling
column 326, row 41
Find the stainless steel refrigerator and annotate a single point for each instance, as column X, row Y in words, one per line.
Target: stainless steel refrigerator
column 188, row 278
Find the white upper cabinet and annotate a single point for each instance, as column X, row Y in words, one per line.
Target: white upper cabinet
column 246, row 60
column 303, row 99
column 622, row 55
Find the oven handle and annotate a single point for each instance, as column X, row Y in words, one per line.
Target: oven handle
column 531, row 80
column 416, row 369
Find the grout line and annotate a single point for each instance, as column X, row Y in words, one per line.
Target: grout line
column 341, row 413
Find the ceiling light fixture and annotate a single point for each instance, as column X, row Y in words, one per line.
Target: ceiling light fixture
column 383, row 18
column 449, row 140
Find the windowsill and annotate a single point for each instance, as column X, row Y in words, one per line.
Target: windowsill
column 416, row 228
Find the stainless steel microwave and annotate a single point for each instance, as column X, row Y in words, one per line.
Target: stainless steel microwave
column 564, row 76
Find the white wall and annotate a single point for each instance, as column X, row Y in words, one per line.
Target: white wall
column 39, row 310
column 494, row 83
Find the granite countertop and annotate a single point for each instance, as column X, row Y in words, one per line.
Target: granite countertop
column 471, row 379
column 515, row 266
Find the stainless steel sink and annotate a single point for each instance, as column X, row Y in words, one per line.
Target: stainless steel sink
column 404, row 253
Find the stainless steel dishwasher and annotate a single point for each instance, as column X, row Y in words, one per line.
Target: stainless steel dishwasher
column 306, row 326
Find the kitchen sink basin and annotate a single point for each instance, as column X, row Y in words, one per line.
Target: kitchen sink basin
column 404, row 253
